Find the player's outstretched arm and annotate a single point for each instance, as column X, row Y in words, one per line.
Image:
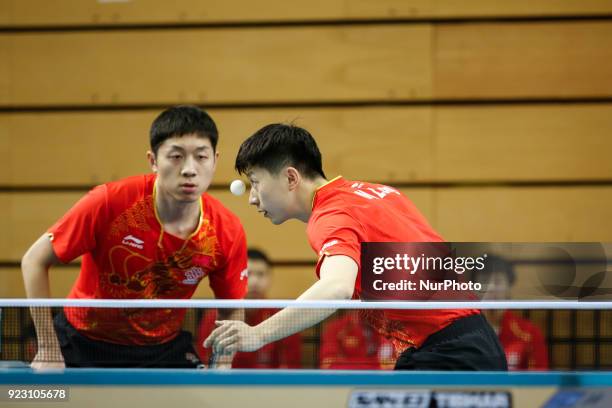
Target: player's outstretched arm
column 35, row 269
column 337, row 281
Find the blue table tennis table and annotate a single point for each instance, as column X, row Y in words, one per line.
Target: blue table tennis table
column 290, row 388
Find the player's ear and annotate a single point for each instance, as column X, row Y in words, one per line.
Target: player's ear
column 152, row 161
column 293, row 178
column 216, row 159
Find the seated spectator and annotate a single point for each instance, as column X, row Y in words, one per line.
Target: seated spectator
column 348, row 343
column 523, row 342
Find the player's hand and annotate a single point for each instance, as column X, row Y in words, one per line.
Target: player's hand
column 48, row 358
column 231, row 336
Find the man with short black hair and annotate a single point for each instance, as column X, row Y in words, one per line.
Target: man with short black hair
column 284, row 166
column 153, row 236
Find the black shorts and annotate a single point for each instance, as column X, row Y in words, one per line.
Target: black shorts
column 81, row 351
column 467, row 344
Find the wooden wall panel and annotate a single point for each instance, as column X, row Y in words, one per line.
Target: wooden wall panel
column 70, row 12
column 60, row 280
column 331, row 64
column 517, row 60
column 66, row 12
column 519, row 8
column 392, row 144
column 28, row 215
column 75, row 148
column 5, row 70
column 366, row 143
column 6, row 150
column 7, row 16
column 388, row 144
column 11, row 283
column 222, row 66
column 524, row 142
column 577, row 214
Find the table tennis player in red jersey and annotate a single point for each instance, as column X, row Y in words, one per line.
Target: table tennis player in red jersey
column 284, row 166
column 151, row 236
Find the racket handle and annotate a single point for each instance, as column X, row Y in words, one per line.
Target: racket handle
column 212, row 360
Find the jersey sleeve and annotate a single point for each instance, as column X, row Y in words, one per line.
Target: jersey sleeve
column 230, row 282
column 77, row 231
column 336, row 234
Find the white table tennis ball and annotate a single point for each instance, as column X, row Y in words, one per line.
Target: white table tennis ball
column 237, row 187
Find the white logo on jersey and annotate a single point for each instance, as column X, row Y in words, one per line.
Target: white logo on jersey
column 327, row 245
column 193, row 275
column 376, row 193
column 132, row 241
column 244, row 274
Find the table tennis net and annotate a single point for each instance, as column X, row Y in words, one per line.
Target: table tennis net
column 128, row 334
column 158, row 337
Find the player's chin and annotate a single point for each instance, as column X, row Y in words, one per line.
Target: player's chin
column 188, row 197
column 275, row 220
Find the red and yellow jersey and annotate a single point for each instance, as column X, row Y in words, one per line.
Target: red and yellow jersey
column 523, row 343
column 347, row 213
column 127, row 255
column 284, row 353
